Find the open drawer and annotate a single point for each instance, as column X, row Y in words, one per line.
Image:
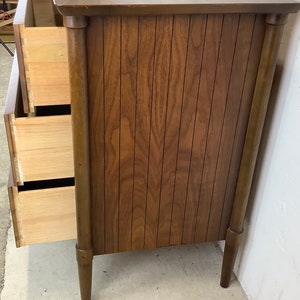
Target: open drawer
column 43, row 211
column 42, row 55
column 40, row 146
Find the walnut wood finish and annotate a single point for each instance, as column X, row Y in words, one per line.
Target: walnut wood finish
column 273, row 34
column 167, row 7
column 79, row 106
column 162, row 130
column 169, row 89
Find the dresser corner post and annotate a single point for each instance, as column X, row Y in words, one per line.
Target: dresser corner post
column 273, row 35
column 76, row 38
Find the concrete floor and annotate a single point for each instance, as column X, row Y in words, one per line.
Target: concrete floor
column 49, row 271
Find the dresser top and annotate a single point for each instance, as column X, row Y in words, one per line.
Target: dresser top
column 148, row 7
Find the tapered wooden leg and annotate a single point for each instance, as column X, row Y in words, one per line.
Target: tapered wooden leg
column 76, row 37
column 272, row 39
column 85, row 267
column 231, row 248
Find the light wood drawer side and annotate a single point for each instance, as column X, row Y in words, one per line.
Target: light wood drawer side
column 43, row 59
column 40, row 147
column 41, row 216
column 46, row 65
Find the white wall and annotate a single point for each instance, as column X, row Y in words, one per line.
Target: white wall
column 268, row 266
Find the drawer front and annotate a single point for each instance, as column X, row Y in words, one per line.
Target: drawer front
column 43, row 61
column 43, row 215
column 40, row 147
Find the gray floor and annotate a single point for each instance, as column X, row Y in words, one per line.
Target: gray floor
column 48, row 271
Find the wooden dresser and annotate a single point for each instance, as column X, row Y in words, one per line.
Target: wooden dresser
column 168, row 100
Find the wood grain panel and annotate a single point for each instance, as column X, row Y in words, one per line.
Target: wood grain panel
column 230, row 121
column 97, row 133
column 129, row 39
column 112, row 27
column 169, row 102
column 173, row 119
column 250, row 80
column 205, row 92
column 163, row 46
column 187, row 123
column 146, row 44
column 218, row 105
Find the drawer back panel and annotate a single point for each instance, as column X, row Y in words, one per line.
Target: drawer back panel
column 165, row 139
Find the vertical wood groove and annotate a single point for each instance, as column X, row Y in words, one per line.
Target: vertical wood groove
column 179, row 129
column 236, row 125
column 150, row 131
column 207, row 132
column 184, row 88
column 171, row 135
column 216, row 121
column 128, row 97
column 164, row 138
column 112, row 95
column 257, row 41
column 175, row 92
column 222, row 130
column 159, row 107
column 120, row 132
column 164, row 134
column 135, row 118
column 149, row 140
column 194, row 127
column 144, row 84
column 104, row 116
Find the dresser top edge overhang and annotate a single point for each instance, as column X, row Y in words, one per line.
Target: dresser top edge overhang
column 164, row 7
